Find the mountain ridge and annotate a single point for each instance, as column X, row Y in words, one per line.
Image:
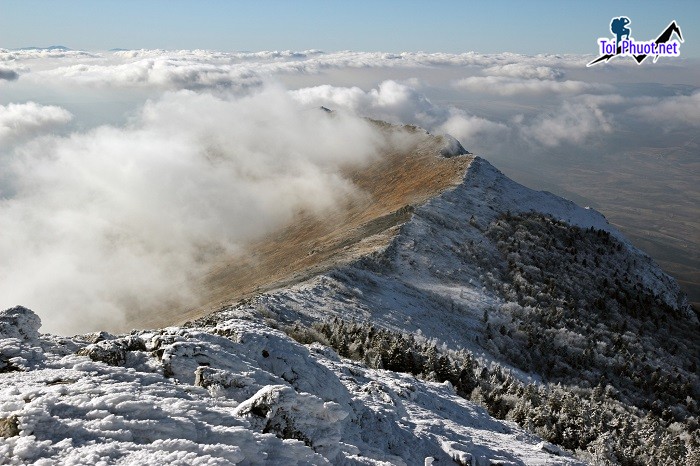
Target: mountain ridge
column 412, row 168
column 464, row 320
column 588, row 310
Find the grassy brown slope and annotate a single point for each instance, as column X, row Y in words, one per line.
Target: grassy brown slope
column 310, row 245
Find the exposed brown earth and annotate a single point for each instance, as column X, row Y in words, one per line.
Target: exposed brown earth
column 389, row 187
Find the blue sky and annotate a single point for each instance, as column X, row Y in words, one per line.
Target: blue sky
column 393, row 26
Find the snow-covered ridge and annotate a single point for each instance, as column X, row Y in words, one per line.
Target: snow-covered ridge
column 426, row 279
column 487, row 193
column 239, row 392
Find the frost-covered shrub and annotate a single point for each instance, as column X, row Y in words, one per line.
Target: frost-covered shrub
column 593, row 422
column 578, row 291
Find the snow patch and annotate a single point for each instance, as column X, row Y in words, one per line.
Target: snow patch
column 237, row 392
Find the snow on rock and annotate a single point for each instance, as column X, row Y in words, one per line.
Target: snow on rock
column 19, row 322
column 283, row 411
column 19, row 334
column 237, row 392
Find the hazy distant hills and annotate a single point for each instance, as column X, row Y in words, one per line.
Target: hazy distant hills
column 62, row 48
column 51, row 47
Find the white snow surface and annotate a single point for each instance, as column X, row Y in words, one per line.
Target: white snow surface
column 237, row 393
column 426, row 282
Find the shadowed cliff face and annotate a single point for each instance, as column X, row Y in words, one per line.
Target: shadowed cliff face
column 416, row 167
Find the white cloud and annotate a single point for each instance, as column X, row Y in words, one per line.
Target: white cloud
column 671, row 111
column 36, row 54
column 121, row 219
column 399, row 103
column 524, row 70
column 503, row 85
column 161, row 73
column 193, row 69
column 572, row 123
column 23, row 120
column 475, row 131
column 391, row 101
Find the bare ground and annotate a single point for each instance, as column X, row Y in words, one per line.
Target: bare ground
column 389, row 187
